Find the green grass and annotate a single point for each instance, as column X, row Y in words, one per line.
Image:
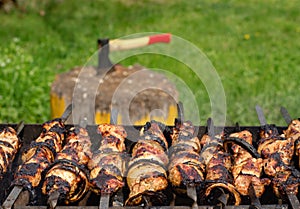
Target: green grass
column 253, row 45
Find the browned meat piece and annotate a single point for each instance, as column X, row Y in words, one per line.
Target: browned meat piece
column 148, row 150
column 108, row 163
column 107, row 171
column 9, row 146
column 146, row 177
column 209, row 147
column 40, row 155
column 67, row 175
column 114, row 137
column 247, row 170
column 143, row 179
column 186, row 167
column 293, row 131
column 218, row 167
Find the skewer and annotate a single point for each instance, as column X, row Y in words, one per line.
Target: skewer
column 180, row 112
column 286, row 115
column 19, row 128
column 104, row 199
column 223, row 198
column 10, row 200
column 294, row 201
column 17, row 195
column 292, row 197
column 191, row 189
column 13, row 195
column 53, row 199
column 255, row 203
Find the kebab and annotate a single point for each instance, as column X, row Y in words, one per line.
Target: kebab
column 218, row 165
column 67, row 178
column 246, row 170
column 107, row 166
column 146, row 173
column 10, row 144
column 38, row 158
column 186, row 170
column 277, row 152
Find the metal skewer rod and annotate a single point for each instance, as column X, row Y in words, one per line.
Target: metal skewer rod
column 192, row 193
column 53, row 199
column 294, row 201
column 255, row 203
column 286, row 115
column 13, row 195
column 261, row 116
column 180, row 112
column 223, row 198
column 66, row 114
column 104, row 201
column 19, row 128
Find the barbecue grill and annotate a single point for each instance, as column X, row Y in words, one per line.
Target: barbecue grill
column 31, row 131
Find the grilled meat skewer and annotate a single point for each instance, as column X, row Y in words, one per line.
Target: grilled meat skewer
column 185, row 166
column 146, row 173
column 67, row 176
column 39, row 156
column 10, row 144
column 293, row 131
column 107, row 164
column 278, row 153
column 186, row 170
column 247, row 170
column 218, row 165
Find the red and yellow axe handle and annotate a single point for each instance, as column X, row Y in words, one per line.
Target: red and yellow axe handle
column 125, row 44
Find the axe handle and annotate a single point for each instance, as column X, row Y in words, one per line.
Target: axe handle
column 125, row 44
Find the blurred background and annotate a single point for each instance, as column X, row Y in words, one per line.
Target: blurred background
column 253, row 45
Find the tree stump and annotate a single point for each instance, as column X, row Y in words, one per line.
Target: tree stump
column 139, row 95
